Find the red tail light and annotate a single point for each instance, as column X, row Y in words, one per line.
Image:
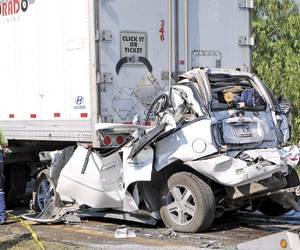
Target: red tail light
column 107, row 140
column 119, row 139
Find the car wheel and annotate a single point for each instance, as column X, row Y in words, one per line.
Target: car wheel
column 187, row 203
column 271, row 208
column 44, row 191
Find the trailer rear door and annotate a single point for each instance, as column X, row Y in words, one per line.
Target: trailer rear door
column 133, row 56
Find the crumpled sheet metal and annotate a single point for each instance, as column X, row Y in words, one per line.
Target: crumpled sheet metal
column 235, row 172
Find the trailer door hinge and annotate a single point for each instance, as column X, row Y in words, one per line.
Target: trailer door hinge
column 96, row 35
column 106, row 35
column 246, row 41
column 246, row 4
column 165, row 75
column 104, row 78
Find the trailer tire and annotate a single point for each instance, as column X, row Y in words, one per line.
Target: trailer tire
column 271, row 208
column 44, row 190
column 187, row 203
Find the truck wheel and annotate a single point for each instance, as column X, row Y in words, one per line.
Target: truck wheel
column 44, row 190
column 271, row 208
column 187, row 203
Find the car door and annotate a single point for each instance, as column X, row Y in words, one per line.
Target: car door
column 282, row 119
column 93, row 180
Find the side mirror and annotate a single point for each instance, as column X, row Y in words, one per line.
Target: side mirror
column 284, row 104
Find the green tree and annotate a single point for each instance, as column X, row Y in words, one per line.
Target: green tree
column 276, row 56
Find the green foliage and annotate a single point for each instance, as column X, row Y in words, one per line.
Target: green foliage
column 276, row 56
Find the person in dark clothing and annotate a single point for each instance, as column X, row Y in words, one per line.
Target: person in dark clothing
column 4, row 147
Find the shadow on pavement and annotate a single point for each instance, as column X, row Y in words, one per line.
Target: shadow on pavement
column 8, row 244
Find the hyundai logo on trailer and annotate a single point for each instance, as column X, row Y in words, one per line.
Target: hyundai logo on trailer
column 79, row 100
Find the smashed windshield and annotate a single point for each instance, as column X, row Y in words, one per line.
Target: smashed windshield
column 234, row 92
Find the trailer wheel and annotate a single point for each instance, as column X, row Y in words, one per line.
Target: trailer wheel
column 187, row 203
column 44, row 190
column 271, row 208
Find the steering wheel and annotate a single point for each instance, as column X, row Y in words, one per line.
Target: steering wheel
column 159, row 104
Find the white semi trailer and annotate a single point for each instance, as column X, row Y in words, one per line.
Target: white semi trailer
column 68, row 65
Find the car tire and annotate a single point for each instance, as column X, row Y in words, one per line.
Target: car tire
column 187, row 203
column 271, row 208
column 44, row 190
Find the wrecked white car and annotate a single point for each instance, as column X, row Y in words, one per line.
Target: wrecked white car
column 219, row 145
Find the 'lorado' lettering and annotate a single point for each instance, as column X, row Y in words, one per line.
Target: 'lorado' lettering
column 13, row 7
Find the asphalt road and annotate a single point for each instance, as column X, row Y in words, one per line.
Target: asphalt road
column 100, row 234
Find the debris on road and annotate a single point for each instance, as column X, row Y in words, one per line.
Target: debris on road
column 170, row 233
column 72, row 219
column 213, row 244
column 124, row 232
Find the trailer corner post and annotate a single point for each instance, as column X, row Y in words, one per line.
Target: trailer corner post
column 170, row 43
column 186, row 35
column 93, row 73
column 176, row 39
column 97, row 10
column 250, row 35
